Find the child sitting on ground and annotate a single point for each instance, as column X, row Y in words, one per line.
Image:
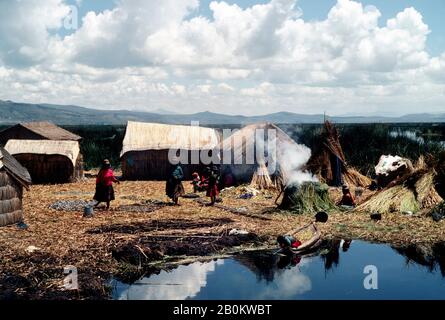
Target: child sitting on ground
column 287, row 242
column 196, row 182
column 347, row 201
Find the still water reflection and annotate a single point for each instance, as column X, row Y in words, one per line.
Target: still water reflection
column 334, row 272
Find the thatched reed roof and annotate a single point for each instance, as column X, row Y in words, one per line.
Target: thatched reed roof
column 14, row 168
column 251, row 156
column 142, row 136
column 69, row 149
column 49, row 131
column 246, row 136
column 241, row 144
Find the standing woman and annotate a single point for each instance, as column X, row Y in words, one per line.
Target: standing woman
column 104, row 184
column 174, row 188
column 212, row 189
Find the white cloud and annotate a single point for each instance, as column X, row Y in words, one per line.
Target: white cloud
column 436, row 68
column 116, row 38
column 151, row 54
column 25, row 29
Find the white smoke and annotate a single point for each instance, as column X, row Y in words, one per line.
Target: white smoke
column 291, row 159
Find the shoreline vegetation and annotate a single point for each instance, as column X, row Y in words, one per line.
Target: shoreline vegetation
column 144, row 234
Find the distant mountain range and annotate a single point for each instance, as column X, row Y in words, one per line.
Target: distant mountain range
column 163, row 111
column 12, row 112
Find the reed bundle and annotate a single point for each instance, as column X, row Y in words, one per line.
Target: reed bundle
column 309, row 197
column 261, row 179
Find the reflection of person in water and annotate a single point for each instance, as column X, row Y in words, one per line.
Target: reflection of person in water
column 346, row 245
column 333, row 256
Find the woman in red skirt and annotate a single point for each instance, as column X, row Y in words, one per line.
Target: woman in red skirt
column 212, row 188
column 104, row 185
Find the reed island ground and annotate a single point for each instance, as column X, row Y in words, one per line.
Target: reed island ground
column 142, row 233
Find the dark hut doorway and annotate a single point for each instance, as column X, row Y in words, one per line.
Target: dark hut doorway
column 47, row 169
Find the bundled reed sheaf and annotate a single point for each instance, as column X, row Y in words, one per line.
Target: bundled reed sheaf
column 309, row 197
column 261, row 179
column 353, row 177
column 413, row 192
column 328, row 161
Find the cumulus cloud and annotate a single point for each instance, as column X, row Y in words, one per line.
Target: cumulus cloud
column 270, row 36
column 116, row 38
column 150, row 54
column 25, row 27
column 436, row 68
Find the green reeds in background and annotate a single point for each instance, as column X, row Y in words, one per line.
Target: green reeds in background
column 363, row 144
column 100, row 142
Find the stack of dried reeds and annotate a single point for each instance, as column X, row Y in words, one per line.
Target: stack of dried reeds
column 327, row 171
column 261, row 179
column 412, row 192
column 352, row 177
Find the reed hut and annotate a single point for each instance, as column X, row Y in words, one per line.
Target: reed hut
column 48, row 161
column 263, row 155
column 13, row 178
column 146, row 147
column 328, row 161
column 37, row 131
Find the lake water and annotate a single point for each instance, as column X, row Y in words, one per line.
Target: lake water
column 336, row 272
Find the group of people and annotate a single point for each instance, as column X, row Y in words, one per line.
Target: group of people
column 208, row 181
column 174, row 189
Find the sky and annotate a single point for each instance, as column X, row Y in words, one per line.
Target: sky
column 249, row 57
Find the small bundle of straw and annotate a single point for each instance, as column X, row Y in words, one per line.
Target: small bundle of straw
column 353, row 177
column 426, row 191
column 261, row 179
